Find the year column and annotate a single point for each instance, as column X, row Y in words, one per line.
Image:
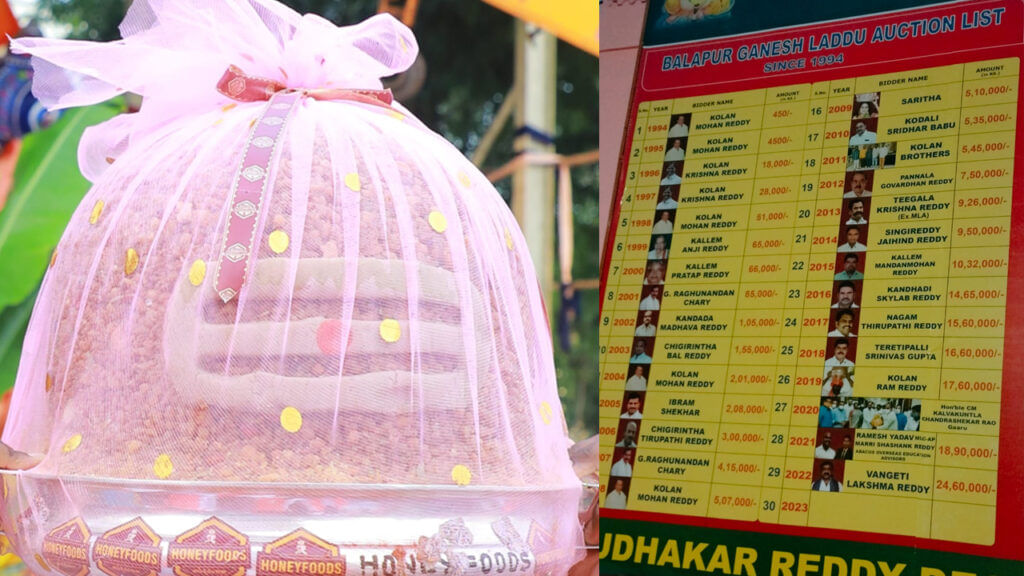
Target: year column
column 967, row 455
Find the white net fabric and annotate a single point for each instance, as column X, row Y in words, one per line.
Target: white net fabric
column 388, row 343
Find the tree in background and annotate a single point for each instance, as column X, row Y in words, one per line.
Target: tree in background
column 468, row 48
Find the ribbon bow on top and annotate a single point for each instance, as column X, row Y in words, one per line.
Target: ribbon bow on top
column 175, row 52
column 238, row 85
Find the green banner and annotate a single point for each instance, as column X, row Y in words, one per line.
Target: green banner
column 635, row 548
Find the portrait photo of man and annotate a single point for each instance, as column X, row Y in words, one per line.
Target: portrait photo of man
column 653, row 299
column 855, row 210
column 640, row 353
column 616, row 497
column 637, row 382
column 659, row 247
column 663, row 225
column 629, row 435
column 853, row 241
column 646, row 328
column 675, row 153
column 843, row 325
column 846, row 295
column 670, row 176
column 655, row 275
column 824, row 450
column 666, row 201
column 860, row 133
column 840, row 357
column 632, row 407
column 849, row 270
column 680, row 127
column 845, row 450
column 623, row 466
column 858, row 185
column 825, row 481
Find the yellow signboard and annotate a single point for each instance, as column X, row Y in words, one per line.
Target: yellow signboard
column 575, row 21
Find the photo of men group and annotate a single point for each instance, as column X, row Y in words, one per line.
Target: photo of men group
column 871, row 156
column 865, row 151
column 901, row 414
column 834, row 444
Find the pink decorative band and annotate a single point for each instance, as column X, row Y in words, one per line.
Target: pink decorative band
column 238, row 85
column 247, row 193
column 252, row 177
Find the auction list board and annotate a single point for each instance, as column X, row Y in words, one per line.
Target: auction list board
column 808, row 316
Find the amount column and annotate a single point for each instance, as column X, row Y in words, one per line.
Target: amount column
column 966, row 416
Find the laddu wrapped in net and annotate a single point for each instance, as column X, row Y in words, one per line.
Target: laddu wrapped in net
column 287, row 319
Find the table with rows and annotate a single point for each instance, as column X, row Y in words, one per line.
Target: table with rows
column 805, row 304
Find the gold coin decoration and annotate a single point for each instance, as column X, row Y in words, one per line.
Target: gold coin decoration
column 53, row 258
column 131, row 261
column 228, row 106
column 278, row 241
column 72, row 443
column 461, row 475
column 402, row 44
column 390, row 330
column 97, row 211
column 197, row 272
column 49, row 382
column 397, row 115
column 437, row 221
column 464, row 179
column 508, row 239
column 352, row 181
column 163, row 467
column 42, row 563
column 545, row 412
column 291, row 419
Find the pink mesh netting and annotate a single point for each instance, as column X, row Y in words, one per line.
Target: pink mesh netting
column 382, row 382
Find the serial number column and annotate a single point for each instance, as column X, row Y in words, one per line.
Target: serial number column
column 966, row 416
column 793, row 127
column 747, row 411
column 616, row 324
column 696, row 324
column 821, row 201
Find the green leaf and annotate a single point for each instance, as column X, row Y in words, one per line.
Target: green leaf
column 13, row 323
column 47, row 188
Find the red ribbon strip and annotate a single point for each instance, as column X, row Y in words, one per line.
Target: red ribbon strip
column 252, row 178
column 238, row 85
